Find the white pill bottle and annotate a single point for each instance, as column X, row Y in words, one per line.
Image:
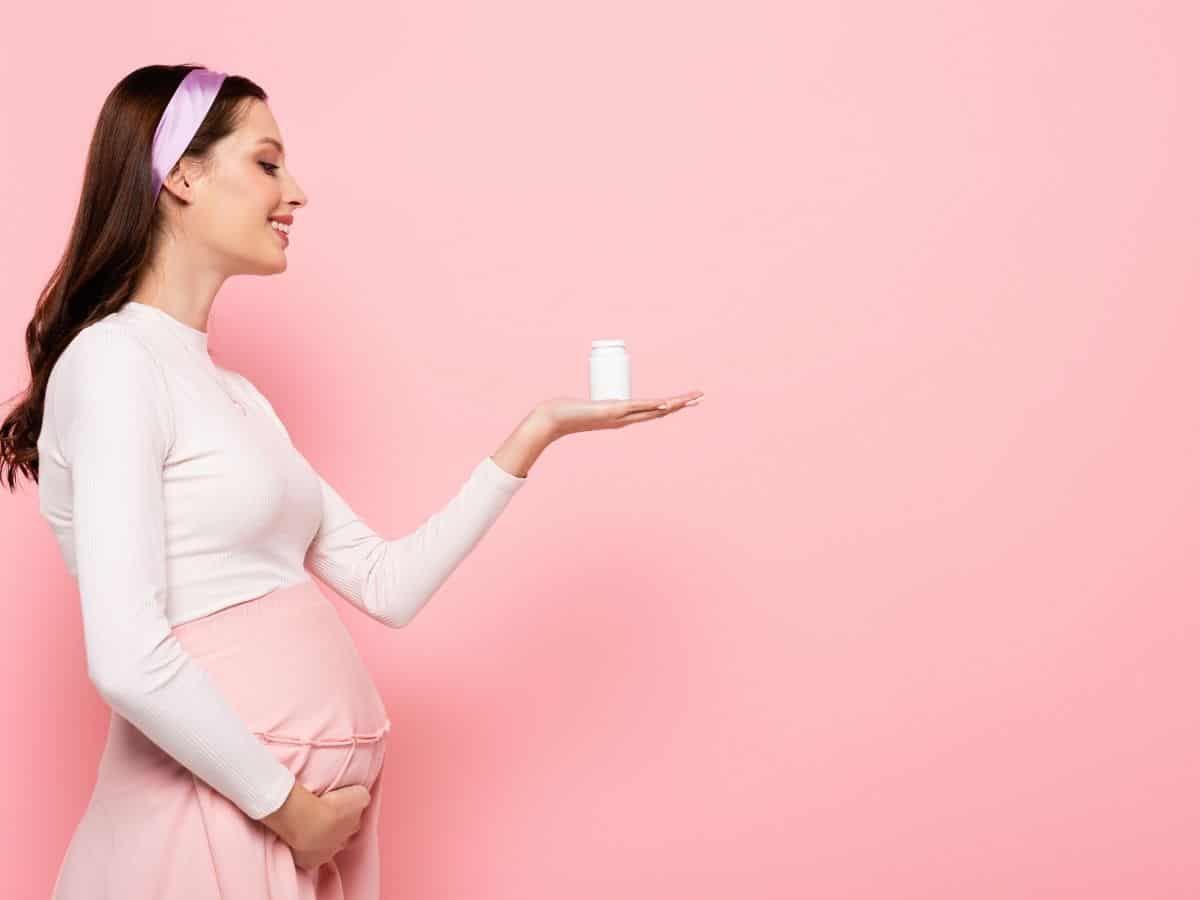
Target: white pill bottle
column 608, row 370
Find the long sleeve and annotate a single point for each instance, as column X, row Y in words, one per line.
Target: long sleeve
column 115, row 428
column 391, row 580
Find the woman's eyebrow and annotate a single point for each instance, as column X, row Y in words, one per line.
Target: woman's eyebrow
column 269, row 140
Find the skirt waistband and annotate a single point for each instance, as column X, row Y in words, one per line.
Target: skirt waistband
column 248, row 613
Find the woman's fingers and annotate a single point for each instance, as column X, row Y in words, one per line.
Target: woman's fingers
column 670, row 404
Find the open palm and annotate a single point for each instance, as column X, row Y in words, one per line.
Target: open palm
column 567, row 415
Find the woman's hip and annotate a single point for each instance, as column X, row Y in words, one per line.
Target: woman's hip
column 287, row 665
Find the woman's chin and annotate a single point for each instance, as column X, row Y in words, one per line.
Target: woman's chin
column 265, row 266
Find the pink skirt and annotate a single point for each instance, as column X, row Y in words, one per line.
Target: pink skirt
column 153, row 830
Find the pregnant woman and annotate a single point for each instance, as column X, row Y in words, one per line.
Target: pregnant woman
column 246, row 747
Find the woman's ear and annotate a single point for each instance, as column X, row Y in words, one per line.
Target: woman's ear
column 176, row 182
column 179, row 181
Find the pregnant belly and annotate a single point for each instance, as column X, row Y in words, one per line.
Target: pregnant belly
column 288, row 666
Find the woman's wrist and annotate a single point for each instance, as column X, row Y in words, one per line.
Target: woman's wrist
column 525, row 444
column 299, row 807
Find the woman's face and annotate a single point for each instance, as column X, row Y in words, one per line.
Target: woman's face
column 231, row 203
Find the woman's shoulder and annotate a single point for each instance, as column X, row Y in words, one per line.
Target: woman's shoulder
column 104, row 352
column 107, row 379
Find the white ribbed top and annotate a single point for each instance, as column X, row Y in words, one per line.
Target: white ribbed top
column 174, row 490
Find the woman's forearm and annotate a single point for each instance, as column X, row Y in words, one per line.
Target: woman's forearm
column 525, row 444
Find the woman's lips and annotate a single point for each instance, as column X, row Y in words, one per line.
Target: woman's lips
column 283, row 237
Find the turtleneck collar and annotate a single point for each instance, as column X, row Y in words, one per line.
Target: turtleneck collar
column 194, row 337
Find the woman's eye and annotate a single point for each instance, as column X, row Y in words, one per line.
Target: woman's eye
column 271, row 167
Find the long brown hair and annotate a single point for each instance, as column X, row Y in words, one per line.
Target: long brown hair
column 117, row 228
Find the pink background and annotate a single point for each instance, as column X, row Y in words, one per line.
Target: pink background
column 907, row 608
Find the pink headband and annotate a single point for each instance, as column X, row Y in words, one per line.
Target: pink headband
column 181, row 120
